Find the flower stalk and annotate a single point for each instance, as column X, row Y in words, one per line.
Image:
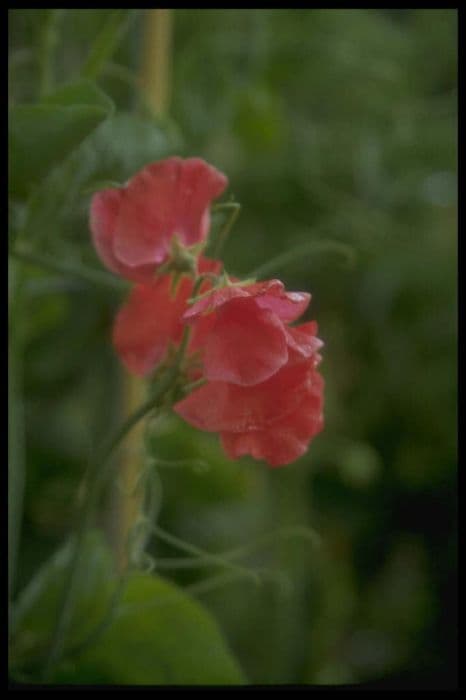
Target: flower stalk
column 155, row 79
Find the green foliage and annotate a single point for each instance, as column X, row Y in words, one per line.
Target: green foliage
column 105, row 43
column 159, row 636
column 36, row 608
column 42, row 135
column 149, row 633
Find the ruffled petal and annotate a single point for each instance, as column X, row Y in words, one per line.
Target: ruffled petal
column 165, row 199
column 246, row 345
column 199, row 183
column 286, row 439
column 148, row 322
column 222, row 406
column 272, row 295
column 303, row 342
column 204, row 324
column 212, row 301
column 147, row 216
column 105, row 208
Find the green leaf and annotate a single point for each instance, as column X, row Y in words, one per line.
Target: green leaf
column 156, row 634
column 34, row 614
column 42, row 135
column 106, row 42
column 83, row 92
column 303, row 250
column 112, row 154
column 124, row 144
column 101, row 185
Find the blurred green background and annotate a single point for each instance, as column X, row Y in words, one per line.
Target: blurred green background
column 332, row 125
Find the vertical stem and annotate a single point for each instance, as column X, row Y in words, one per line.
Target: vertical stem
column 129, row 495
column 48, row 42
column 155, row 75
column 105, row 43
column 156, row 61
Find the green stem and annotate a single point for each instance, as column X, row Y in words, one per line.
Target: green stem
column 223, row 235
column 75, row 270
column 213, row 582
column 48, row 42
column 319, row 246
column 207, row 556
column 243, row 551
column 105, row 622
column 117, row 22
column 195, row 385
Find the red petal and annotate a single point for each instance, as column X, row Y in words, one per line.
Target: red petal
column 148, row 321
column 303, row 341
column 285, row 440
column 147, row 214
column 204, row 323
column 105, row 207
column 166, row 198
column 246, row 344
column 220, row 406
column 272, row 295
column 199, row 183
column 212, row 301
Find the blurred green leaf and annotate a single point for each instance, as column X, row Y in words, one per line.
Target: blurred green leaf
column 106, row 43
column 42, row 135
column 127, row 142
column 35, row 611
column 158, row 636
column 156, row 633
column 101, row 185
column 259, row 120
column 220, row 481
column 82, row 92
column 58, row 209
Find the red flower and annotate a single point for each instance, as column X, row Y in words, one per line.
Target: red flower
column 151, row 319
column 248, row 340
column 133, row 226
column 264, row 395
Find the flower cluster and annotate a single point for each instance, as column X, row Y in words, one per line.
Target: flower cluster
column 256, row 378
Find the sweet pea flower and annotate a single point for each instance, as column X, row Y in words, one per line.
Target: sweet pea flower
column 263, row 392
column 273, row 420
column 258, row 387
column 133, row 227
column 249, row 339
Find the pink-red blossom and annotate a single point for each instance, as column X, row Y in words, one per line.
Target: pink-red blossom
column 264, row 394
column 249, row 339
column 260, row 386
column 133, row 226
